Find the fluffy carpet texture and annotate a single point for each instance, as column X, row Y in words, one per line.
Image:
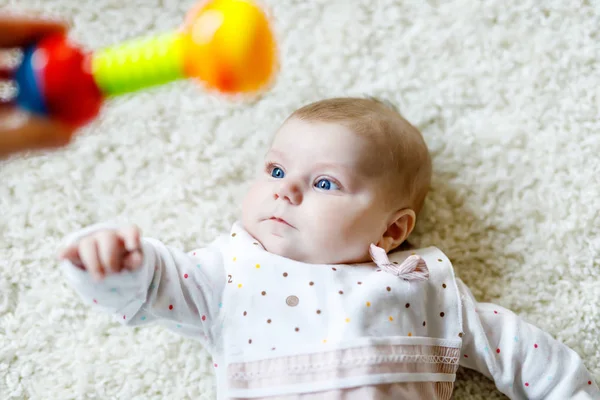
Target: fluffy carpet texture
column 505, row 92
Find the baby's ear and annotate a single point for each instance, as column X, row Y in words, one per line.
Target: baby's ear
column 400, row 226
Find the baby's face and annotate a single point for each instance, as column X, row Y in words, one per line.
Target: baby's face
column 314, row 200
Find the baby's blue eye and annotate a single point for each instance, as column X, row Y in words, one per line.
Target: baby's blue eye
column 277, row 173
column 326, row 184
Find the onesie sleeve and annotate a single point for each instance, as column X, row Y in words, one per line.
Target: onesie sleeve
column 181, row 290
column 523, row 361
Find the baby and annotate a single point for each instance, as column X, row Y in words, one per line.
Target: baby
column 311, row 295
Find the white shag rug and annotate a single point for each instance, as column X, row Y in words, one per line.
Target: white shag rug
column 505, row 92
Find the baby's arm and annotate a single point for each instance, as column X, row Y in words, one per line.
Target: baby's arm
column 153, row 282
column 524, row 361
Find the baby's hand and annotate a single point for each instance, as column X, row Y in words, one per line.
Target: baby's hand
column 106, row 252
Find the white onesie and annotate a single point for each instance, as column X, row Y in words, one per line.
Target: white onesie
column 282, row 329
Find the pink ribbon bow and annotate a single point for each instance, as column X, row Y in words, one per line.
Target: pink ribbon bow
column 414, row 268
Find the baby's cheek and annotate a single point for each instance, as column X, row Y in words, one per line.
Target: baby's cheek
column 336, row 224
column 328, row 216
column 251, row 202
column 354, row 226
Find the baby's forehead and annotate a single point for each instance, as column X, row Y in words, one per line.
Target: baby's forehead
column 366, row 140
column 321, row 139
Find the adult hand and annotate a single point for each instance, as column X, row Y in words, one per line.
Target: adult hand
column 20, row 131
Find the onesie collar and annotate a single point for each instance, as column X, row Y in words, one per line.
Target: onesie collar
column 413, row 268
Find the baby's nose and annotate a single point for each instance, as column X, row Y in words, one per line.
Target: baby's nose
column 290, row 192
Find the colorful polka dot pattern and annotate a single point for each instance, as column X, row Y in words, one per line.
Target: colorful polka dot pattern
column 170, row 306
column 516, row 339
column 346, row 290
column 293, row 299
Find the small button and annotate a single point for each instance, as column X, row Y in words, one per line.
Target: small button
column 292, row 301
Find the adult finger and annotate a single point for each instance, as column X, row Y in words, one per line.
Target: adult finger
column 20, row 30
column 6, row 73
column 6, row 107
column 20, row 132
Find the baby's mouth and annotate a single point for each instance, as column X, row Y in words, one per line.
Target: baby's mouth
column 281, row 220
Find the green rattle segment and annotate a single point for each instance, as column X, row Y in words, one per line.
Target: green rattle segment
column 139, row 64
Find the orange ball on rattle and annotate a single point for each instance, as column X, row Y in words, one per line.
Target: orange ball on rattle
column 229, row 46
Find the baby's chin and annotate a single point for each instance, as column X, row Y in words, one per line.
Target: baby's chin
column 293, row 250
column 291, row 244
column 282, row 247
column 276, row 239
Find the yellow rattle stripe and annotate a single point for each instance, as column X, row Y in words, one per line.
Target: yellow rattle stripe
column 139, row 63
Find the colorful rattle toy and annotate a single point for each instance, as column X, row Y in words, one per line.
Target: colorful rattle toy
column 227, row 44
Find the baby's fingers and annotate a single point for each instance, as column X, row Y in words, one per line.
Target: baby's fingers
column 88, row 252
column 131, row 238
column 110, row 250
column 71, row 253
column 133, row 260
